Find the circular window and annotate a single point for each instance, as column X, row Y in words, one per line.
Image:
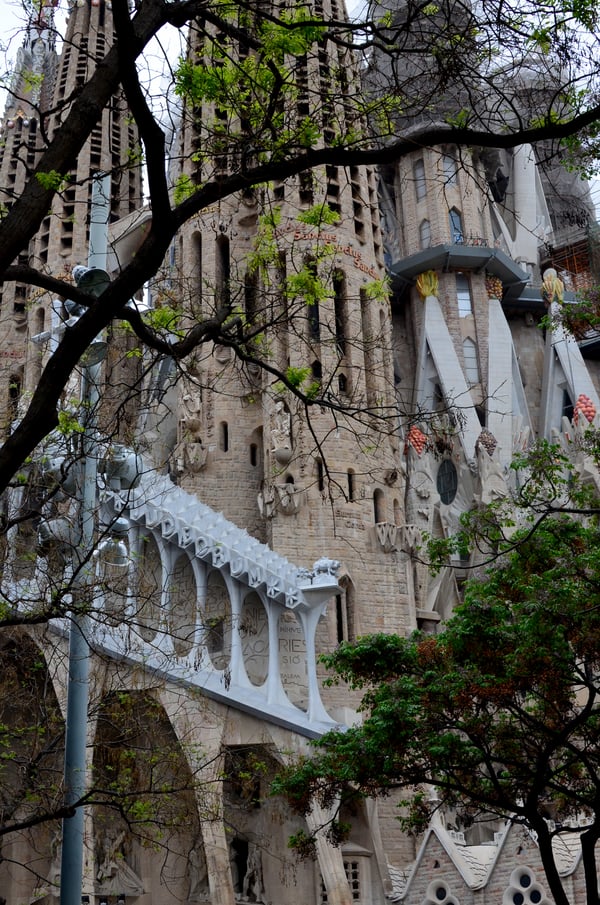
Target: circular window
column 535, row 896
column 525, row 880
column 518, row 898
column 447, row 481
column 440, row 893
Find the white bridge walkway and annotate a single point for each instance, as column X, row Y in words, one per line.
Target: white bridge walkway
column 203, row 603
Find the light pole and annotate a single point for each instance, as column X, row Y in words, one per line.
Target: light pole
column 71, row 872
column 123, row 466
column 75, row 767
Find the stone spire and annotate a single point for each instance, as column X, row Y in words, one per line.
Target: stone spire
column 40, row 91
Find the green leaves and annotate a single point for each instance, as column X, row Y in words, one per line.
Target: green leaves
column 319, row 215
column 499, row 710
column 184, row 188
column 254, row 94
column 52, row 180
column 294, row 33
column 69, row 424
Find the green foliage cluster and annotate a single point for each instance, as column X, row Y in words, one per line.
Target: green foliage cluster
column 254, row 94
column 500, row 710
column 140, row 772
column 31, row 736
column 580, row 317
column 52, row 180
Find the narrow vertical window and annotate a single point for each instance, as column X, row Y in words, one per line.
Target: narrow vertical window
column 369, row 348
column 378, row 506
column 463, row 295
column 14, row 395
column 320, row 476
column 224, row 436
column 450, row 169
column 314, row 325
column 344, row 614
column 425, row 234
column 341, row 624
column 37, row 352
column 197, row 265
column 351, row 486
column 419, row 179
column 250, row 296
column 339, row 302
column 456, row 226
column 222, row 272
column 312, row 300
column 471, row 365
column 568, row 408
column 282, row 319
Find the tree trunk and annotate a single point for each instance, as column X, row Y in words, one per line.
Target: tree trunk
column 550, row 869
column 588, row 851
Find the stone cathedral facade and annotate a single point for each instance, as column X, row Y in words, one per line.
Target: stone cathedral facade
column 259, row 534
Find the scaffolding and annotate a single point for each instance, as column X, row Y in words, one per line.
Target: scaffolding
column 577, row 258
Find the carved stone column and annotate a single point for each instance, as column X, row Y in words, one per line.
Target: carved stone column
column 330, row 859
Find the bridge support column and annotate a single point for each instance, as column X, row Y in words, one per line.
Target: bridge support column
column 330, row 858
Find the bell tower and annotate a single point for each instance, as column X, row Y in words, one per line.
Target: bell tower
column 39, row 96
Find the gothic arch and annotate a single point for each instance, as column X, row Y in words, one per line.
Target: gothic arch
column 140, row 831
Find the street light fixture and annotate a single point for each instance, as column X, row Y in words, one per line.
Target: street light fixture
column 94, row 280
column 71, row 873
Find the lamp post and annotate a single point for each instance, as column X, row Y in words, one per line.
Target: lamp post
column 71, row 874
column 122, row 466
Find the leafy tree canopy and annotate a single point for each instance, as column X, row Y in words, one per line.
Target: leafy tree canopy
column 499, row 711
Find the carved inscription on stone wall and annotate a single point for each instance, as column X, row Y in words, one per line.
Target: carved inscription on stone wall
column 292, row 660
column 254, row 630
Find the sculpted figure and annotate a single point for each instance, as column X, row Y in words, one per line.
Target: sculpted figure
column 253, row 879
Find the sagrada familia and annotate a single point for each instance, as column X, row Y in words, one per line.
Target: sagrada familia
column 256, row 534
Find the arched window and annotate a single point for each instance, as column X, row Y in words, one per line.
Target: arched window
column 450, row 169
column 419, row 179
column 425, row 234
column 351, row 485
column 456, row 226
